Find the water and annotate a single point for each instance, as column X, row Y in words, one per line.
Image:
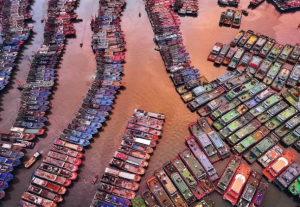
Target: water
column 148, row 87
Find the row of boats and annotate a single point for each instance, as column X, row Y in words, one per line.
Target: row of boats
column 273, row 63
column 287, row 4
column 234, row 3
column 128, row 164
column 186, row 7
column 231, row 18
column 14, row 32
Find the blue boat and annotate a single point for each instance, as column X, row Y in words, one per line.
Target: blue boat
column 11, row 154
column 102, row 102
column 93, row 118
column 103, row 196
column 78, row 134
column 6, row 168
column 6, row 176
column 9, row 161
column 75, row 140
column 94, row 112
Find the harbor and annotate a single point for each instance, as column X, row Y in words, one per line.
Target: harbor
column 147, row 85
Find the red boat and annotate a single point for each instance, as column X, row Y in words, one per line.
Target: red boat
column 279, row 165
column 237, row 184
column 49, row 186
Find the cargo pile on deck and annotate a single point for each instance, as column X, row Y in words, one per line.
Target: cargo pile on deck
column 186, row 7
column 120, row 181
column 231, row 18
column 14, row 32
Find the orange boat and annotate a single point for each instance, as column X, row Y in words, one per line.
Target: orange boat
column 237, row 184
column 279, row 165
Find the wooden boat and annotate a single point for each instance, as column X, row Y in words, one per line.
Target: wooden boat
column 45, row 193
column 68, row 145
column 267, row 47
column 149, row 199
column 229, row 56
column 287, row 177
column 291, row 137
column 53, row 178
column 64, row 157
column 281, row 118
column 125, row 166
column 282, row 58
column 236, row 22
column 143, row 129
column 67, row 151
column 223, row 109
column 134, row 153
column 179, row 183
column 201, row 157
column 215, row 52
column 280, row 80
column 263, row 69
column 197, row 170
column 130, row 159
column 272, row 73
column 222, row 18
column 213, row 105
column 237, row 184
column 116, row 191
column 279, row 165
column 122, row 174
column 138, row 202
column 259, row 195
column 236, row 58
column 115, row 200
column 119, row 182
column 170, row 188
column 229, row 17
column 208, row 147
column 206, row 201
column 293, row 80
column 236, row 39
column 141, row 134
column 243, row 63
column 284, row 129
column 61, row 164
column 160, row 194
column 222, row 54
column 150, row 114
column 262, row 40
column 137, row 147
column 250, row 189
column 38, row 200
column 58, row 171
column 294, row 56
column 139, row 141
column 251, row 41
column 58, row 189
column 274, row 53
column 273, row 111
column 294, row 187
column 245, row 38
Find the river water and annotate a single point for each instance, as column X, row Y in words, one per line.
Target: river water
column 147, row 86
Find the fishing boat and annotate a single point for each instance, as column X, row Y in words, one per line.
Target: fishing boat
column 137, row 147
column 279, row 165
column 143, row 129
column 273, row 111
column 170, row 188
column 288, row 176
column 256, row 2
column 251, row 140
column 244, row 61
column 252, row 92
column 197, row 170
column 237, row 184
column 215, row 51
column 160, row 194
column 265, row 105
column 281, row 118
column 223, row 109
column 250, row 189
column 254, row 64
column 116, row 191
column 62, row 143
column 294, row 56
column 150, row 114
column 131, row 132
column 138, row 202
column 188, row 178
column 222, row 18
column 119, row 182
column 236, row 22
column 206, row 201
column 139, row 141
column 267, row 47
column 64, row 157
column 228, row 174
column 130, row 159
column 259, row 195
column 236, row 58
column 115, row 200
column 236, row 39
column 38, row 200
column 149, row 119
column 127, row 167
column 293, row 80
column 282, row 58
column 45, row 193
column 61, row 164
column 241, row 89
column 237, row 80
column 58, row 171
column 122, row 174
column 220, row 145
column 134, row 153
column 149, row 199
column 270, row 155
column 67, row 151
column 53, row 178
column 262, row 40
column 274, row 53
column 58, row 189
column 291, row 137
column 222, row 54
column 294, row 187
column 229, row 56
column 229, row 17
column 212, row 105
column 208, row 147
column 280, row 80
column 6, row 176
column 272, row 73
column 284, row 129
column 263, row 69
column 179, row 183
column 145, row 123
column 245, row 38
column 251, row 41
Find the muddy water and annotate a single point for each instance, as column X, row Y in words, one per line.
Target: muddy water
column 148, row 86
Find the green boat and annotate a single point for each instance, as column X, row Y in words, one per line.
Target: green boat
column 272, row 56
column 292, row 137
column 274, row 110
column 197, row 170
column 138, row 202
column 205, row 202
column 252, row 92
column 272, row 73
column 293, row 58
column 285, row 53
column 170, row 188
column 235, row 125
column 243, row 132
column 208, row 147
column 233, row 93
column 230, row 116
column 179, row 183
column 292, row 96
column 228, row 174
column 280, row 118
column 251, row 140
column 259, row 149
column 294, row 188
column 223, row 109
column 288, row 126
column 271, row 155
column 221, row 147
column 237, row 80
column 265, row 105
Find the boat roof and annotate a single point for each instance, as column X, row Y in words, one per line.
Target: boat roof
column 279, row 164
column 238, row 183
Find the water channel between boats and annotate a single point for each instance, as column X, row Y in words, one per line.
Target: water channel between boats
column 147, row 84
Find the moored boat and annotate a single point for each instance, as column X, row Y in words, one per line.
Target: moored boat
column 38, row 200
column 119, row 182
column 149, row 199
column 122, row 174
column 58, row 171
column 49, row 186
column 45, row 193
column 288, row 176
column 259, row 195
column 116, row 191
column 127, row 167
